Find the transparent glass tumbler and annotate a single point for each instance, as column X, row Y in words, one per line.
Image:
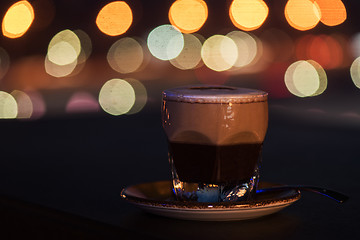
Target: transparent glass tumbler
column 215, row 136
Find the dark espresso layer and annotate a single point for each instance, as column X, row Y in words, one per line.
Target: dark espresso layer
column 215, row 164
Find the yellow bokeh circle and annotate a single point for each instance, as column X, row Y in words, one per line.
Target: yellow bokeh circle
column 8, row 106
column 305, row 78
column 117, row 97
column 18, row 19
column 302, row 14
column 355, row 72
column 248, row 15
column 114, row 18
column 188, row 15
column 219, row 53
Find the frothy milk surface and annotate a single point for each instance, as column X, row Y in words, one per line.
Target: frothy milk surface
column 215, row 115
column 214, row 94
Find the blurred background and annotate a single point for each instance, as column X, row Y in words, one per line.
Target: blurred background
column 81, row 83
column 66, row 58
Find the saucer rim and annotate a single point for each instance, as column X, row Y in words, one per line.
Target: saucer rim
column 292, row 196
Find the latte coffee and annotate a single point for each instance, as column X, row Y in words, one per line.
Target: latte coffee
column 215, row 136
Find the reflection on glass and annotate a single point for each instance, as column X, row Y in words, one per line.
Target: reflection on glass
column 125, row 55
column 165, row 42
column 190, row 56
column 248, row 15
column 219, row 53
column 305, row 78
column 302, row 14
column 8, row 106
column 24, row 104
column 116, row 97
column 18, row 19
column 115, row 18
column 188, row 15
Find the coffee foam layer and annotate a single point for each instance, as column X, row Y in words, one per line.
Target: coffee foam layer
column 215, row 124
column 214, row 94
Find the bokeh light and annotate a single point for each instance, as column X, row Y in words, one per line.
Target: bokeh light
column 24, row 104
column 126, row 55
column 18, row 19
column 4, row 62
column 248, row 15
column 320, row 50
column 115, row 18
column 190, row 56
column 302, row 14
column 322, row 77
column 141, row 96
column 85, row 44
column 64, row 48
column 8, row 106
column 219, row 53
column 58, row 71
column 188, row 15
column 38, row 104
column 355, row 45
column 302, row 44
column 67, row 52
column 324, row 49
column 355, row 72
column 246, row 46
column 82, row 102
column 305, row 78
column 165, row 42
column 62, row 53
column 333, row 12
column 274, row 41
column 117, row 97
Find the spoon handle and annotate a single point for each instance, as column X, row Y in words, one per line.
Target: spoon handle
column 339, row 197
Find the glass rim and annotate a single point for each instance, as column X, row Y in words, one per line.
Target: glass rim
column 214, row 94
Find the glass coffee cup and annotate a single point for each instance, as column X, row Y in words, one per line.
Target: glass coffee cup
column 215, row 136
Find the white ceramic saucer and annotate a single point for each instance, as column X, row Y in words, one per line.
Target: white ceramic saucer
column 157, row 198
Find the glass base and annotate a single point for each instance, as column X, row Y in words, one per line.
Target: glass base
column 203, row 192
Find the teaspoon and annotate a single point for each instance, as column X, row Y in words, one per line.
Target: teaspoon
column 339, row 197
